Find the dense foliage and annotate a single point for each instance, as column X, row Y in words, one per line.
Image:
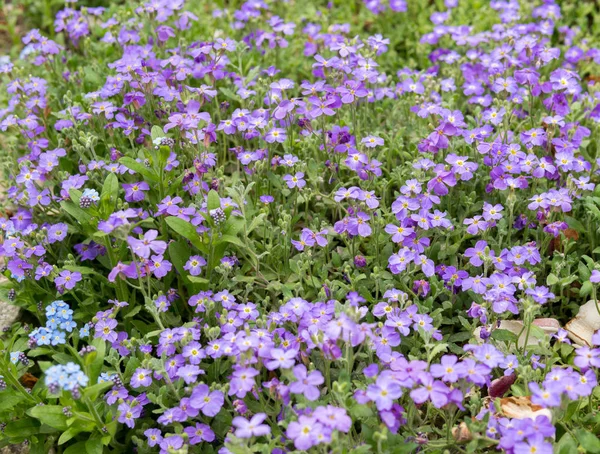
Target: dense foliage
column 295, row 226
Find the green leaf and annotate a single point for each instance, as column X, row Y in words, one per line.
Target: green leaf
column 95, row 390
column 140, row 168
column 80, row 215
column 9, row 401
column 156, row 132
column 575, row 224
column 109, row 195
column 258, row 220
column 504, row 335
column 78, row 426
column 231, row 239
column 439, row 348
column 214, row 201
column 94, row 446
column 588, row 441
column 198, row 280
column 77, row 448
column 179, row 252
column 586, row 289
column 186, row 230
column 22, row 428
column 50, row 414
column 98, row 360
column 551, row 279
column 229, row 94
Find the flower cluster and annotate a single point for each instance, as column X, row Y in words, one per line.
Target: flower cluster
column 59, row 322
column 69, row 377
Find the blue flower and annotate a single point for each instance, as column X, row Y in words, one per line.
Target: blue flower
column 58, row 337
column 14, row 357
column 68, row 325
column 68, row 377
column 85, row 331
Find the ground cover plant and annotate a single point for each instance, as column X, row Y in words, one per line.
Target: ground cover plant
column 269, row 227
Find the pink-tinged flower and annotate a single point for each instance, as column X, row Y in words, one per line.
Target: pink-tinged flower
column 295, row 181
column 251, row 428
column 307, row 383
column 122, row 270
column 135, row 192
column 194, row 265
column 148, row 243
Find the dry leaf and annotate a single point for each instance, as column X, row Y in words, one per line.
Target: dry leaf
column 522, row 407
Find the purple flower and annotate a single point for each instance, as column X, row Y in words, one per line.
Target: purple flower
column 128, row 414
column 242, row 381
column 67, row 279
column 305, row 432
column 431, row 389
column 372, row 141
column 171, row 443
column 141, row 377
column 199, row 433
column 135, row 192
column 533, row 443
column 251, row 428
column 595, row 277
column 449, row 369
column 159, row 266
column 147, row 244
column 307, row 383
column 294, row 181
column 276, row 135
column 194, row 265
column 283, row 359
column 105, row 329
column 384, row 391
column 540, row 294
column 544, row 397
column 57, row 232
column 358, row 225
column 189, row 373
column 534, row 136
column 154, row 437
column 209, row 403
